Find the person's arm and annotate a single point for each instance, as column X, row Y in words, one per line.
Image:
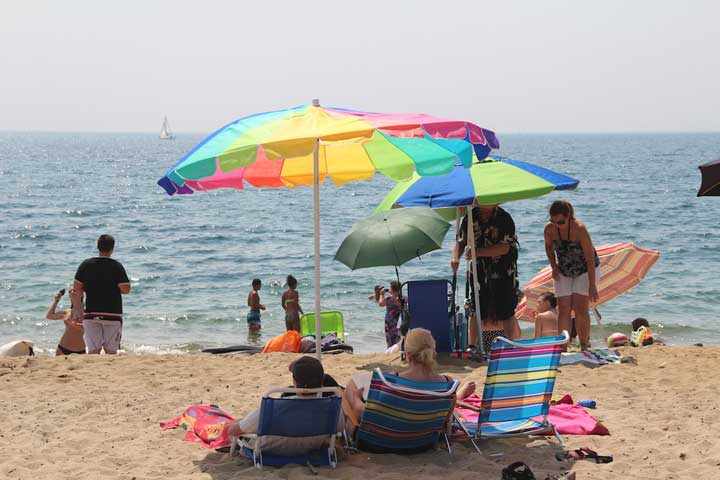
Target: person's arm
column 550, row 253
column 589, row 252
column 123, row 281
column 282, row 300
column 51, row 313
column 383, row 300
column 76, row 298
column 245, row 425
column 506, row 227
column 459, row 247
column 297, row 300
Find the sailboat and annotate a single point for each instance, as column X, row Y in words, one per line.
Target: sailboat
column 165, row 132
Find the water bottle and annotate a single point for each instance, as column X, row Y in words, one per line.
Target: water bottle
column 587, row 403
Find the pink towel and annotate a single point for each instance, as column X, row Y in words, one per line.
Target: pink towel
column 568, row 418
column 206, row 425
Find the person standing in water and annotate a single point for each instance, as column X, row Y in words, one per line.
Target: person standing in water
column 496, row 248
column 291, row 304
column 575, row 271
column 253, row 301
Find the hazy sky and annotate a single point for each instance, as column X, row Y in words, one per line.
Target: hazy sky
column 511, row 66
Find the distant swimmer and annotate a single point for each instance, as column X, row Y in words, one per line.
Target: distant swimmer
column 253, row 301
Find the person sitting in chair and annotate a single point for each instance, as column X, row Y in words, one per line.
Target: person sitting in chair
column 307, row 372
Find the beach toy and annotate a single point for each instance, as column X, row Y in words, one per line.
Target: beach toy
column 587, row 403
column 641, row 336
column 617, row 339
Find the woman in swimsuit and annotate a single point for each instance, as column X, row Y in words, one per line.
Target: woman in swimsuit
column 291, row 304
column 574, row 264
column 72, row 339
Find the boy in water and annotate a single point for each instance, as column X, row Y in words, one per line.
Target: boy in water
column 546, row 319
column 72, row 339
column 391, row 301
column 291, row 304
column 253, row 301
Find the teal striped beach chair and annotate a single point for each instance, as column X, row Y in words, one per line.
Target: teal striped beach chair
column 402, row 416
column 518, row 389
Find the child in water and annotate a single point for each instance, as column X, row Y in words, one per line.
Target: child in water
column 546, row 319
column 72, row 339
column 253, row 301
column 391, row 301
column 291, row 304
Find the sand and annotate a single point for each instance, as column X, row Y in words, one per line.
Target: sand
column 97, row 417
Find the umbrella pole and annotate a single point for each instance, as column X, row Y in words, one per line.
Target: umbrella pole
column 316, row 219
column 476, row 285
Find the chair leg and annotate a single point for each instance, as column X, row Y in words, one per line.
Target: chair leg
column 557, row 435
column 447, row 443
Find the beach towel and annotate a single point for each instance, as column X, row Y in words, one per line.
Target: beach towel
column 601, row 356
column 568, row 418
column 206, row 425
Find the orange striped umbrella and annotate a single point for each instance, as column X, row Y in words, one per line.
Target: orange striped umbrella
column 622, row 266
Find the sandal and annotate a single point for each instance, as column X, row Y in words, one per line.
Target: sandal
column 584, row 453
column 517, row 471
column 561, row 476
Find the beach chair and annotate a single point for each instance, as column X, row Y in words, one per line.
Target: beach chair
column 330, row 322
column 429, row 308
column 519, row 385
column 401, row 416
column 295, row 417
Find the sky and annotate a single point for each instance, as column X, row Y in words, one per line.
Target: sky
column 511, row 66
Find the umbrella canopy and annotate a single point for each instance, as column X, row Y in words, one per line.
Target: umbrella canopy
column 275, row 149
column 494, row 180
column 305, row 144
column 392, row 238
column 710, row 179
column 622, row 266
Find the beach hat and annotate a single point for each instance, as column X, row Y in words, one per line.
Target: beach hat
column 617, row 339
column 307, row 372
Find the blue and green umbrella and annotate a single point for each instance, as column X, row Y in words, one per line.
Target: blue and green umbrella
column 491, row 181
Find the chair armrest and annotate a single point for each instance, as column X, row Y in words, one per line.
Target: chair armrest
column 565, row 339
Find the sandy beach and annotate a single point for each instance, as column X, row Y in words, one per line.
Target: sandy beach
column 98, row 417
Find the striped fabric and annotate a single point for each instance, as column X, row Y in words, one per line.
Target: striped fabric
column 519, row 386
column 399, row 421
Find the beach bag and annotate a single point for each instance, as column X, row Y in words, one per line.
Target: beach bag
column 286, row 342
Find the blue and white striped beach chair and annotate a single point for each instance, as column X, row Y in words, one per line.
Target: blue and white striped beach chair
column 402, row 416
column 295, row 417
column 519, row 386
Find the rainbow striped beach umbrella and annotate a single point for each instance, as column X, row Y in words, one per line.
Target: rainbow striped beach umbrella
column 304, row 145
column 622, row 266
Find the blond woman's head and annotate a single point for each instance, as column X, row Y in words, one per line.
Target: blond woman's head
column 420, row 347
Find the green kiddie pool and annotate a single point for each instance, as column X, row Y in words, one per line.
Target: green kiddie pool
column 330, row 322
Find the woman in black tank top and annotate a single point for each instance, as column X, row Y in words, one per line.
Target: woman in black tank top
column 575, row 267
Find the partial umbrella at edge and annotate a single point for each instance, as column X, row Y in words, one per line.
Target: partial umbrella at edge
column 710, row 186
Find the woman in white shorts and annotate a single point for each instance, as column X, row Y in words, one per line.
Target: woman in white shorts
column 575, row 269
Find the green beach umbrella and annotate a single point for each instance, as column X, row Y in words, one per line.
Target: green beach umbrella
column 392, row 238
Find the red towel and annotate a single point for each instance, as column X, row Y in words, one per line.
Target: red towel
column 205, row 424
column 568, row 418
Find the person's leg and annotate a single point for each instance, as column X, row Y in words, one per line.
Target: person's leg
column 354, row 398
column 466, row 390
column 582, row 319
column 93, row 336
column 472, row 338
column 112, row 334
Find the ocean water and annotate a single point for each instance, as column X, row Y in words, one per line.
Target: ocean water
column 191, row 258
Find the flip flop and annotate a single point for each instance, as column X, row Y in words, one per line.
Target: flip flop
column 561, row 476
column 584, row 453
column 517, row 471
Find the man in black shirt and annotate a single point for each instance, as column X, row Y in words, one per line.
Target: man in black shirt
column 496, row 248
column 103, row 281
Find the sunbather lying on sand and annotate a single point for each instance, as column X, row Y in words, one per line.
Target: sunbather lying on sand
column 420, row 352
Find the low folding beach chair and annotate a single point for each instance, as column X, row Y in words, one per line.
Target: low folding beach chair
column 401, row 416
column 295, row 417
column 519, row 386
column 429, row 308
column 330, row 322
